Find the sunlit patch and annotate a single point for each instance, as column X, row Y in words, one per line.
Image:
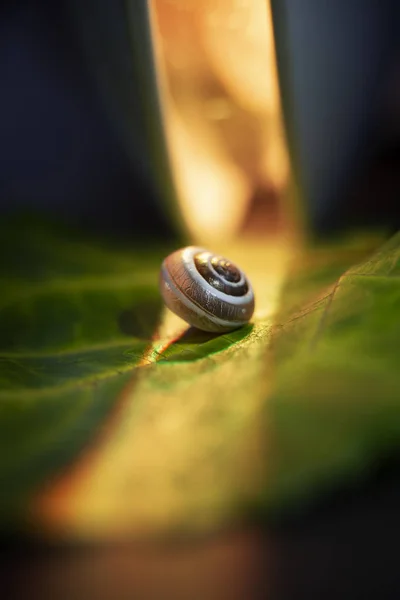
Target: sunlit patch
column 153, row 465
column 221, row 104
column 170, row 330
column 186, row 443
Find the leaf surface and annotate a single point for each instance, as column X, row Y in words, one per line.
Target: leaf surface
column 116, row 419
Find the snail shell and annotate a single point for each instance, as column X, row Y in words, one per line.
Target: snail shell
column 205, row 290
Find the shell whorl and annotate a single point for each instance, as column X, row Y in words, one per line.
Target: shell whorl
column 221, row 274
column 206, row 290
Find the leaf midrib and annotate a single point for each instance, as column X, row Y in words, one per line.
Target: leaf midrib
column 35, row 288
column 76, row 383
column 71, row 351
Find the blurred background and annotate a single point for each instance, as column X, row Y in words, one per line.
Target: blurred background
column 208, row 121
column 96, row 128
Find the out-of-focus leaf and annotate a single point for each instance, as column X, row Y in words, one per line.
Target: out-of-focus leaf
column 116, row 420
column 74, row 322
column 335, row 408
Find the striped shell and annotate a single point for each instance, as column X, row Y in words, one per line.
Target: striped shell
column 205, row 290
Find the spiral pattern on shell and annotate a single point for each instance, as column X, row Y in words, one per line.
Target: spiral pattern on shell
column 207, row 291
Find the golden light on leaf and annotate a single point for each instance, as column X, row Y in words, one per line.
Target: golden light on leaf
column 151, row 468
column 125, row 484
column 213, row 189
column 237, row 36
column 222, row 109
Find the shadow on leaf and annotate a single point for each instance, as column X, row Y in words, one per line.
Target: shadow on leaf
column 142, row 319
column 194, row 344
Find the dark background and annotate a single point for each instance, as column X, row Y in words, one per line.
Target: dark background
column 60, row 150
column 72, row 110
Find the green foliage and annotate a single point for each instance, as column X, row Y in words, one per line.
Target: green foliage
column 270, row 414
column 335, row 410
column 75, row 319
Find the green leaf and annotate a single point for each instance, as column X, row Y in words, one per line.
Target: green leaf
column 335, row 409
column 74, row 321
column 115, row 419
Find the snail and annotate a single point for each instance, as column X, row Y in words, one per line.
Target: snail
column 205, row 290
